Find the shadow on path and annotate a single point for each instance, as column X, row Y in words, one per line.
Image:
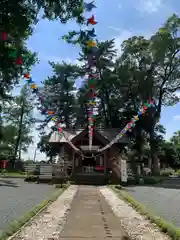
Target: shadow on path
column 8, row 183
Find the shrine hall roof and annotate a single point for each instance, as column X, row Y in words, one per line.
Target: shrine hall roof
column 109, row 134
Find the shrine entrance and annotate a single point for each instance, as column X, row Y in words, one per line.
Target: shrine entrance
column 88, row 163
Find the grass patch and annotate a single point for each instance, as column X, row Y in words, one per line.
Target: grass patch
column 17, row 224
column 13, row 174
column 164, row 226
column 152, row 179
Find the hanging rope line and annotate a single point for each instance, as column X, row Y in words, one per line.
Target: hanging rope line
column 89, row 46
column 53, row 117
column 91, row 52
column 131, row 124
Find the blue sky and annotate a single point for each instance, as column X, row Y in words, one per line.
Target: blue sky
column 119, row 19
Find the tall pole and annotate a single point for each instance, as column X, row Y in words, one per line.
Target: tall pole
column 34, row 159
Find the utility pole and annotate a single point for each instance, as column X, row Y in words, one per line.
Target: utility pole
column 34, row 159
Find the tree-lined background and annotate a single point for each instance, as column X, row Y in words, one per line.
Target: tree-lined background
column 146, row 69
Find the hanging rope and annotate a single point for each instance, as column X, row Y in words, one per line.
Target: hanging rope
column 131, row 124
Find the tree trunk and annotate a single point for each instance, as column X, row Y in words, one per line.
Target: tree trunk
column 108, row 106
column 1, row 124
column 104, row 111
column 20, row 146
column 154, row 158
column 103, row 100
column 19, row 134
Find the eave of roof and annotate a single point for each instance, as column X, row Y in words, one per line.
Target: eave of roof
column 70, row 134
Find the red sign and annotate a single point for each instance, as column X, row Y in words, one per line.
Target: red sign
column 99, row 168
column 3, row 163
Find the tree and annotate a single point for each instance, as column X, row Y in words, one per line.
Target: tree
column 45, row 147
column 7, row 145
column 17, row 19
column 57, row 94
column 104, row 85
column 153, row 66
column 19, row 114
column 144, row 71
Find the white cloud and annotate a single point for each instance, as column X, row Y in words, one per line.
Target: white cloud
column 149, row 6
column 177, row 117
column 177, row 94
column 118, row 30
column 57, row 59
column 124, row 35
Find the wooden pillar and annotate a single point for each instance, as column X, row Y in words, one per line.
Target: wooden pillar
column 73, row 162
column 105, row 161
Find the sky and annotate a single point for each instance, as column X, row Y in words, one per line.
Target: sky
column 118, row 19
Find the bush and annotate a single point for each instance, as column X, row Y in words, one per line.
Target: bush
column 178, row 173
column 64, row 185
column 152, row 180
column 31, row 179
column 166, row 172
column 131, row 181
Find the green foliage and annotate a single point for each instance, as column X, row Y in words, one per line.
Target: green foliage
column 177, row 173
column 18, row 116
column 18, row 19
column 146, row 69
column 152, row 180
column 167, row 172
column 46, row 147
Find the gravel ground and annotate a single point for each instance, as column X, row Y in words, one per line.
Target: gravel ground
column 135, row 225
column 48, row 224
column 18, row 197
column 74, row 219
column 164, row 202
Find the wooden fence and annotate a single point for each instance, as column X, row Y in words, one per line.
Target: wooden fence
column 46, row 171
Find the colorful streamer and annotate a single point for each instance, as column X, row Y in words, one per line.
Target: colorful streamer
column 51, row 114
column 131, row 124
column 13, row 52
column 92, row 56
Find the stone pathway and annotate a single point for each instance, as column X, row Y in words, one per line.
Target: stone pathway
column 91, row 217
column 89, row 212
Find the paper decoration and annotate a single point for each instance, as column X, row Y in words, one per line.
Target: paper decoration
column 91, row 43
column 89, row 6
column 18, row 61
column 26, row 75
column 33, row 86
column 91, row 33
column 127, row 127
column 91, row 21
column 3, row 36
column 13, row 53
column 50, row 112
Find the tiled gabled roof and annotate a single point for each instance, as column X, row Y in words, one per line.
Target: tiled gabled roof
column 108, row 133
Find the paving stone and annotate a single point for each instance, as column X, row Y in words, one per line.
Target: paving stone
column 91, row 217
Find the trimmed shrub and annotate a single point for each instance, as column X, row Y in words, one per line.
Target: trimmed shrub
column 166, row 172
column 31, row 179
column 152, row 180
column 177, row 173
